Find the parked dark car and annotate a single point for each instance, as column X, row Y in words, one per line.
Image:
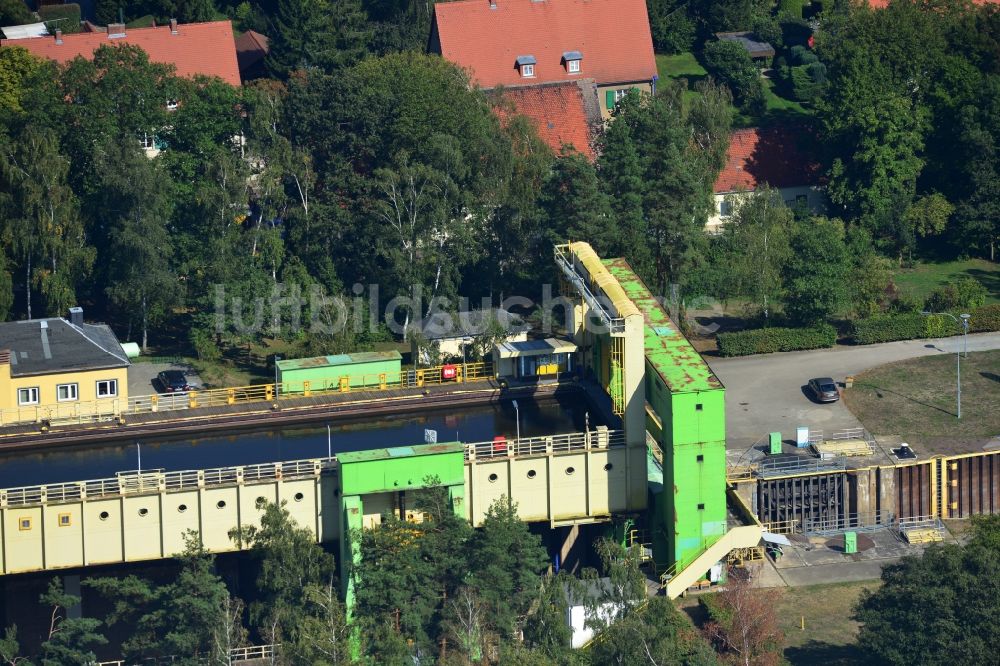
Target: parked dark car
column 824, row 389
column 173, row 381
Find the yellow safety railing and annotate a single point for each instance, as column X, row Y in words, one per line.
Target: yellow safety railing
column 111, row 409
column 783, row 526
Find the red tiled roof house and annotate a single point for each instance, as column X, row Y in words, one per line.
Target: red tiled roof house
column 780, row 157
column 530, row 42
column 564, row 114
column 193, row 48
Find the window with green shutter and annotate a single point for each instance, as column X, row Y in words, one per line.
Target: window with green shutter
column 610, row 98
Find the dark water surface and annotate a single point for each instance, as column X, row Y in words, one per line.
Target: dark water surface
column 275, row 443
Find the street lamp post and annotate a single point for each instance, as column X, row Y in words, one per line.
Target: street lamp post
column 517, row 419
column 963, row 320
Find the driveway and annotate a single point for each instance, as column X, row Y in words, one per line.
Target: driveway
column 765, row 393
column 142, row 377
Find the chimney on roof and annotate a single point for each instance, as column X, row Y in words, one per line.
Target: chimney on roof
column 493, row 4
column 58, row 36
column 76, row 316
column 116, row 30
column 173, row 26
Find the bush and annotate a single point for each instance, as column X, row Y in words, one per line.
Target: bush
column 673, row 29
column 887, row 328
column 965, row 294
column 986, row 318
column 730, row 63
column 69, row 13
column 794, row 30
column 790, row 7
column 767, row 340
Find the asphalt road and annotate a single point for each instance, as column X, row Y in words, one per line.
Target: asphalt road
column 766, row 393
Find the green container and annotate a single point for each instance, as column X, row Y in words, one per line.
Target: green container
column 775, row 439
column 324, row 372
column 850, row 542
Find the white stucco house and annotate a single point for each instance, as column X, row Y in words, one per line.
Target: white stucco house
column 780, row 157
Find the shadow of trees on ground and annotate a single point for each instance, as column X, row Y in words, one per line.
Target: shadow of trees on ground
column 818, row 652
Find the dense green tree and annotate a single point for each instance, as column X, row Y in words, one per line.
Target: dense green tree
column 546, row 632
column 978, row 185
column 44, row 229
column 10, row 648
column 296, row 604
column 672, row 26
column 871, row 275
column 815, row 275
column 14, row 12
column 190, row 619
column 731, row 64
column 136, row 206
column 71, row 639
column 575, row 206
column 325, row 34
column 399, row 25
column 506, row 561
column 118, row 97
column 756, row 244
column 937, row 608
column 658, row 164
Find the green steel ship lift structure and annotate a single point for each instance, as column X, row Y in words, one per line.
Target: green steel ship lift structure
column 673, row 410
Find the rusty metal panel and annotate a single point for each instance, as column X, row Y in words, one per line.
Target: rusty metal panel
column 914, row 490
column 973, row 485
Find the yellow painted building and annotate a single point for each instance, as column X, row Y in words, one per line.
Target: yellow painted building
column 53, row 369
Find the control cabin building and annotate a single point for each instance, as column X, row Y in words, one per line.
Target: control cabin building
column 531, row 359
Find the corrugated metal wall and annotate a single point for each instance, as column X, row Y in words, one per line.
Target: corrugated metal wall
column 971, row 485
column 915, row 490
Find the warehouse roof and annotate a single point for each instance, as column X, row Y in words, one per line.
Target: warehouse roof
column 668, row 352
column 47, row 346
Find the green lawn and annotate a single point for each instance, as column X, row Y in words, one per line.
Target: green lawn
column 916, row 400
column 680, row 65
column 921, row 281
column 825, row 611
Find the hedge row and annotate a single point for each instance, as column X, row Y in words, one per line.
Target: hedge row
column 766, row 340
column 913, row 325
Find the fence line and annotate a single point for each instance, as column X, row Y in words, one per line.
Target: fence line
column 134, row 482
column 110, row 409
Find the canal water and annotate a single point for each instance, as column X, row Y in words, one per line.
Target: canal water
column 275, row 443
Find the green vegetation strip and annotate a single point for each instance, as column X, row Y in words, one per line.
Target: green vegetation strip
column 921, row 281
column 916, row 399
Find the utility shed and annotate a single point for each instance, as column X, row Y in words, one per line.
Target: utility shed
column 323, row 372
column 690, row 426
column 533, row 358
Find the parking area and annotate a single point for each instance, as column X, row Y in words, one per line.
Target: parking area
column 142, row 377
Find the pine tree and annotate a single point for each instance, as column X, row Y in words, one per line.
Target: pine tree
column 575, row 206
column 325, row 34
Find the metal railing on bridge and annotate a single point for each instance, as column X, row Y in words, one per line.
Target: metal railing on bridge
column 135, row 483
column 601, row 438
column 109, row 410
column 236, row 656
column 139, row 482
